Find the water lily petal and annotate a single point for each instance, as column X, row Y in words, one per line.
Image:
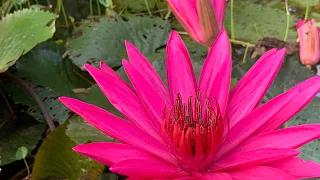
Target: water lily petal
column 298, row 168
column 219, row 10
column 118, row 128
column 252, row 158
column 217, row 176
column 138, row 61
column 291, row 137
column 249, row 91
column 306, row 91
column 147, row 168
column 110, row 153
column 110, row 72
column 259, row 173
column 249, row 124
column 180, row 75
column 214, row 81
column 147, row 92
column 179, row 13
column 271, row 114
column 123, row 97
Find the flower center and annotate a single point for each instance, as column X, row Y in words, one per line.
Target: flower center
column 195, row 131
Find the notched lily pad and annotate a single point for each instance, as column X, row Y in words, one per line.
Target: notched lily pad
column 104, row 40
column 21, row 31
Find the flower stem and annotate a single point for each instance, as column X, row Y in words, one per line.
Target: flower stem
column 248, row 44
column 307, row 9
column 288, row 21
column 148, row 8
column 167, row 15
column 232, row 21
column 233, row 41
column 31, row 92
column 7, row 102
column 244, row 60
column 27, row 166
column 90, row 7
column 64, row 14
column 98, row 7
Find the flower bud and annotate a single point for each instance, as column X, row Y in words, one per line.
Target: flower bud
column 309, row 42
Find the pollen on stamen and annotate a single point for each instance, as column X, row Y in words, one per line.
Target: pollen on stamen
column 195, row 129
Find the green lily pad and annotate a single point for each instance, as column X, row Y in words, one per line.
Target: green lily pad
column 55, row 158
column 104, row 40
column 81, row 132
column 270, row 22
column 50, row 77
column 21, row 153
column 21, row 31
column 27, row 136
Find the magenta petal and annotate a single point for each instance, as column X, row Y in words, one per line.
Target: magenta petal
column 219, row 10
column 187, row 178
column 110, row 153
column 252, row 158
column 292, row 137
column 123, row 97
column 214, row 81
column 138, row 61
column 305, row 93
column 118, row 128
column 217, row 176
column 151, row 168
column 237, row 134
column 147, row 92
column 249, row 91
column 260, row 173
column 298, row 168
column 180, row 75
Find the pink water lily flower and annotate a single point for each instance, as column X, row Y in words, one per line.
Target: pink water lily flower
column 199, row 130
column 202, row 19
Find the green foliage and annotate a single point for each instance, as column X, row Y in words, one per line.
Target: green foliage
column 94, row 95
column 55, row 158
column 21, row 31
column 270, row 22
column 134, row 5
column 24, row 136
column 50, row 76
column 104, row 40
column 81, row 132
column 21, row 153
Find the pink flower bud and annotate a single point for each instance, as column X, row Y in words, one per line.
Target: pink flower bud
column 202, row 19
column 309, row 42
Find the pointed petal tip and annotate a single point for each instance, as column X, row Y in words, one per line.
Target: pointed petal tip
column 174, row 36
column 89, row 67
column 125, row 62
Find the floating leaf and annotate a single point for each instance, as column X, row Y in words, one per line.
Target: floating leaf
column 81, row 132
column 21, row 31
column 50, row 77
column 270, row 22
column 21, row 153
column 42, row 67
column 24, row 136
column 57, row 110
column 55, row 158
column 94, row 95
column 104, row 40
